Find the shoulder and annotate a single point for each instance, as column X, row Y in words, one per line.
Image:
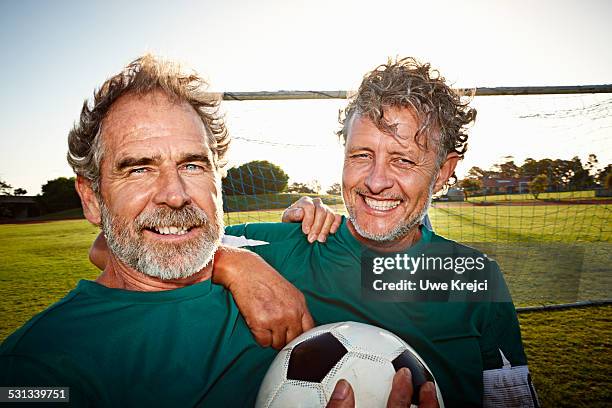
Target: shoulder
column 266, row 231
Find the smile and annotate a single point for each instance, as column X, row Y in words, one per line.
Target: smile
column 381, row 205
column 172, row 230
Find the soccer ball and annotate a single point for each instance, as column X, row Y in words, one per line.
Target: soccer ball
column 306, row 370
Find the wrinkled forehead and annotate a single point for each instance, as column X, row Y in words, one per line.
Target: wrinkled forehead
column 153, row 123
column 401, row 126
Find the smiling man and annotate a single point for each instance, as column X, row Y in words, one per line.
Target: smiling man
column 404, row 132
column 153, row 330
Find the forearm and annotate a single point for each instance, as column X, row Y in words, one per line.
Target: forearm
column 231, row 262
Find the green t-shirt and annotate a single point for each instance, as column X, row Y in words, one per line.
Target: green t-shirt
column 178, row 348
column 458, row 340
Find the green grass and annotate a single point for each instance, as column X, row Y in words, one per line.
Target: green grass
column 39, row 264
column 570, row 355
column 561, row 195
column 538, row 223
column 540, row 249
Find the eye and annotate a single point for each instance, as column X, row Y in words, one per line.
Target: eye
column 193, row 167
column 138, row 170
column 405, row 162
column 359, row 156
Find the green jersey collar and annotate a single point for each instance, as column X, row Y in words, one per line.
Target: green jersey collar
column 188, row 292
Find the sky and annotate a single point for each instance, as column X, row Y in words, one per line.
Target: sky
column 55, row 53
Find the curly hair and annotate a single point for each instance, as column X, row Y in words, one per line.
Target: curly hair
column 443, row 113
column 143, row 75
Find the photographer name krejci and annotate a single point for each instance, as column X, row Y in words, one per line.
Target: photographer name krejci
column 455, row 285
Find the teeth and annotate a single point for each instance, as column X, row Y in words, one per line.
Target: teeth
column 171, row 230
column 381, row 205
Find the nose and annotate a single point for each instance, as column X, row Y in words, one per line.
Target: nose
column 171, row 190
column 378, row 178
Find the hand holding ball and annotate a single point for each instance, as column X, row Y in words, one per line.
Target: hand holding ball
column 306, row 371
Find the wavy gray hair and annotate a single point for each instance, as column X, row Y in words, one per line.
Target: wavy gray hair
column 143, row 75
column 407, row 83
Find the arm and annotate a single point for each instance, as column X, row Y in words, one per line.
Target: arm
column 273, row 308
column 506, row 377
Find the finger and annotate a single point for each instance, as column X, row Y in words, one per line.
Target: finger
column 336, row 224
column 279, row 338
column 262, row 337
column 325, row 229
column 401, row 390
column 293, row 332
column 295, row 327
column 307, row 321
column 343, row 396
column 309, row 215
column 319, row 220
column 427, row 396
column 295, row 214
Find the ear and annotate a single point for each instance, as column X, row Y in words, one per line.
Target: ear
column 446, row 170
column 89, row 200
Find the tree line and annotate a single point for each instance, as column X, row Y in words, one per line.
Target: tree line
column 543, row 175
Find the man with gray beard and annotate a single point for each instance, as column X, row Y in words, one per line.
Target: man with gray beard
column 153, row 329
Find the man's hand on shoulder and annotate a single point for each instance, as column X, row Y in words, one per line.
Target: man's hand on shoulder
column 273, row 308
column 318, row 219
column 399, row 397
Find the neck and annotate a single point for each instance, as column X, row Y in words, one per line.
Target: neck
column 118, row 275
column 397, row 245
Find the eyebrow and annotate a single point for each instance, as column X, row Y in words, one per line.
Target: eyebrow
column 127, row 162
column 355, row 148
column 195, row 157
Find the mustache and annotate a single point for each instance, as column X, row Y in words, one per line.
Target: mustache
column 187, row 217
column 385, row 196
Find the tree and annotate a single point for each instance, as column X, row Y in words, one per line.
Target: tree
column 334, row 189
column 608, row 182
column 301, row 188
column 20, row 192
column 603, row 174
column 311, row 187
column 507, row 169
column 581, row 177
column 477, row 172
column 538, row 185
column 255, row 177
column 59, row 194
column 470, row 185
column 5, row 188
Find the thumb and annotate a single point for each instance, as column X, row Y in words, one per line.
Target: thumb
column 293, row 215
column 343, row 396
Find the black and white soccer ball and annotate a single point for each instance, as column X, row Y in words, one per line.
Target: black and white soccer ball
column 306, row 370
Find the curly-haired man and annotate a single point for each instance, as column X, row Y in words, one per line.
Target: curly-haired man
column 404, row 132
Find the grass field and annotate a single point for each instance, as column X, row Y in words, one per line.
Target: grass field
column 549, row 254
column 561, row 195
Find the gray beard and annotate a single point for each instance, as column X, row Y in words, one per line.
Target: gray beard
column 400, row 230
column 163, row 261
